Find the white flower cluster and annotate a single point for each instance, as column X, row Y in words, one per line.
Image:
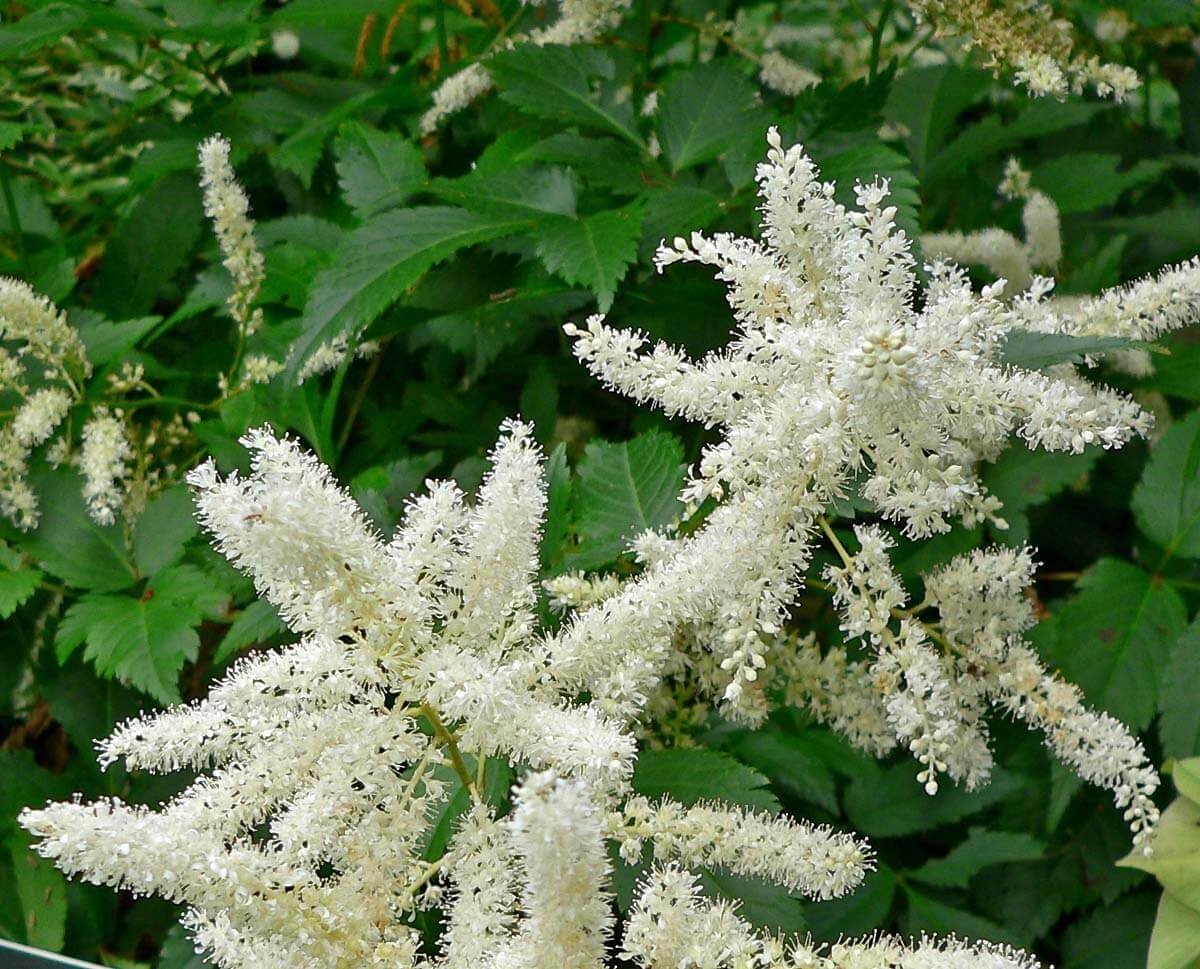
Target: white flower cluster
column 673, row 925
column 329, row 763
column 43, row 362
column 999, row 251
column 1027, row 36
column 837, row 381
column 104, row 460
column 579, row 22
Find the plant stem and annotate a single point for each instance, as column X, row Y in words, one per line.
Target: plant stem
column 451, row 745
column 877, row 39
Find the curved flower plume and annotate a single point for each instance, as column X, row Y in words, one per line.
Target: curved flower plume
column 838, row 381
column 326, row 765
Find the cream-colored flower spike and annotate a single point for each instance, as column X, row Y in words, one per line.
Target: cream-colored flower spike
column 839, row 379
column 325, row 765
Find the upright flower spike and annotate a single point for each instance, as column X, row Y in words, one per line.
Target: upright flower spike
column 835, row 379
column 228, row 208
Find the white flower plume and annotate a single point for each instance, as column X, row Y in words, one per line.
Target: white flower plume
column 840, row 380
column 326, row 765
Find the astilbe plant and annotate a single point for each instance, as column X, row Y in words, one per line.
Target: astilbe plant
column 421, row 661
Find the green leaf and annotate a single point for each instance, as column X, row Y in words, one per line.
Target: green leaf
column 673, row 210
column 521, row 193
column 377, row 170
column 593, row 251
column 991, row 136
column 144, row 642
column 554, row 82
column 382, row 259
column 859, row 913
column 558, row 508
column 162, row 531
column 1113, row 638
column 69, row 545
column 15, row 588
column 150, row 245
column 1177, row 373
column 1179, row 724
column 622, row 490
column 1186, row 775
column 888, row 802
column 1111, row 936
column 1166, row 503
column 1022, row 478
column 302, row 149
column 928, row 100
column 42, row 894
column 696, row 774
column 982, row 849
column 705, row 111
column 790, row 767
column 257, row 623
column 928, row 915
column 1176, row 859
column 1175, row 941
column 107, row 342
column 1037, row 351
column 46, row 25
column 762, row 904
column 1083, row 181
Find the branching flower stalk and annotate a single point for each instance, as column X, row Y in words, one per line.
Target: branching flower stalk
column 304, row 842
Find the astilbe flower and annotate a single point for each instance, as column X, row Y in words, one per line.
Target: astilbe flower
column 42, row 361
column 836, row 381
column 1025, row 36
column 327, row 763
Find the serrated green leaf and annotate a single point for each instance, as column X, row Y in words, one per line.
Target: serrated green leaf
column 704, row 111
column 1179, row 723
column 46, row 25
column 673, row 210
column 697, row 774
column 522, row 193
column 928, row 915
column 982, row 849
column 377, row 170
column 302, row 149
column 622, row 490
column 888, row 802
column 162, row 531
column 69, row 545
column 859, row 913
column 15, row 588
column 142, row 641
column 42, row 894
column 593, row 251
column 1166, row 503
column 1113, row 638
column 1037, row 351
column 554, row 82
column 382, row 259
column 257, row 623
column 1113, row 936
column 789, row 766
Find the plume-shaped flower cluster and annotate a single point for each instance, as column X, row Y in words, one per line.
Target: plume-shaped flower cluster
column 329, row 763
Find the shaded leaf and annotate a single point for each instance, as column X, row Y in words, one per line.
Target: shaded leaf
column 704, row 111
column 593, row 251
column 697, row 774
column 982, row 849
column 1166, row 503
column 377, row 170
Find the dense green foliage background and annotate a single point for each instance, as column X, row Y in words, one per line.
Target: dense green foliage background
column 462, row 253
